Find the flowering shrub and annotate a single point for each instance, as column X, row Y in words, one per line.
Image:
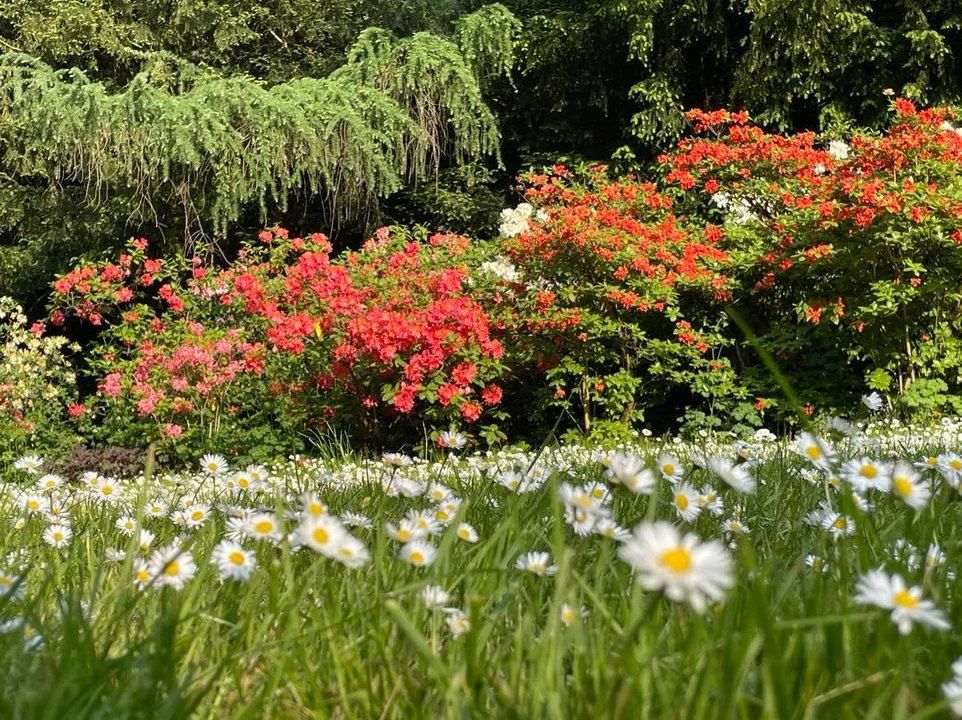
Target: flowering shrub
column 290, row 334
column 37, row 385
column 848, row 252
column 646, row 289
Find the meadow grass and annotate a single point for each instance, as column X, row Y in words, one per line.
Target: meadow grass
column 307, row 636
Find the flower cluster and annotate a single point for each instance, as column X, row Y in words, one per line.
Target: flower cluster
column 856, row 238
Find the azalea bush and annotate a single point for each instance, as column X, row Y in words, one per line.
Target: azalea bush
column 848, row 249
column 647, row 288
column 404, row 328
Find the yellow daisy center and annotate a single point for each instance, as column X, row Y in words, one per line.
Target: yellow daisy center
column 6, row 581
column 902, row 486
column 264, row 526
column 955, row 464
column 813, row 452
column 316, row 509
column 417, row 558
column 463, row 532
column 668, row 468
column 403, row 534
column 840, row 523
column 33, row 504
column 236, row 557
column 197, row 515
column 869, row 471
column 677, row 560
column 321, row 536
column 903, row 599
column 682, row 502
column 143, row 576
column 598, row 493
column 173, row 569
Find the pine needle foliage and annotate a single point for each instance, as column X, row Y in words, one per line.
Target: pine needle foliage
column 213, row 146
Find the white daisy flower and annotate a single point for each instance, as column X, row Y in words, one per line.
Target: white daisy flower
column 49, row 482
column 873, row 401
column 610, row 529
column 467, row 533
column 735, row 475
column 196, row 515
column 734, row 526
column 452, row 440
column 684, row 568
column 144, row 540
column 817, row 451
column 434, row 597
column 11, row 586
column 212, row 464
column 538, row 563
column 142, row 575
column 313, row 506
column 671, row 468
column 29, row 463
column 686, row 501
column 950, row 465
column 172, row 566
column 907, row 606
column 233, row 561
column 357, row 520
column 710, row 501
column 629, row 470
column 424, row 520
column 569, row 615
column 908, row 486
column 438, row 492
column 405, row 531
column 156, row 509
column 952, row 692
column 457, row 621
column 864, row 474
column 322, row 534
column 262, row 526
column 126, row 524
column 351, row 553
column 445, row 512
column 396, row 460
column 419, row 553
column 838, row 525
column 57, row 536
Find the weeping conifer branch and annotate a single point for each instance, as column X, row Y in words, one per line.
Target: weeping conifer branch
column 212, row 145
